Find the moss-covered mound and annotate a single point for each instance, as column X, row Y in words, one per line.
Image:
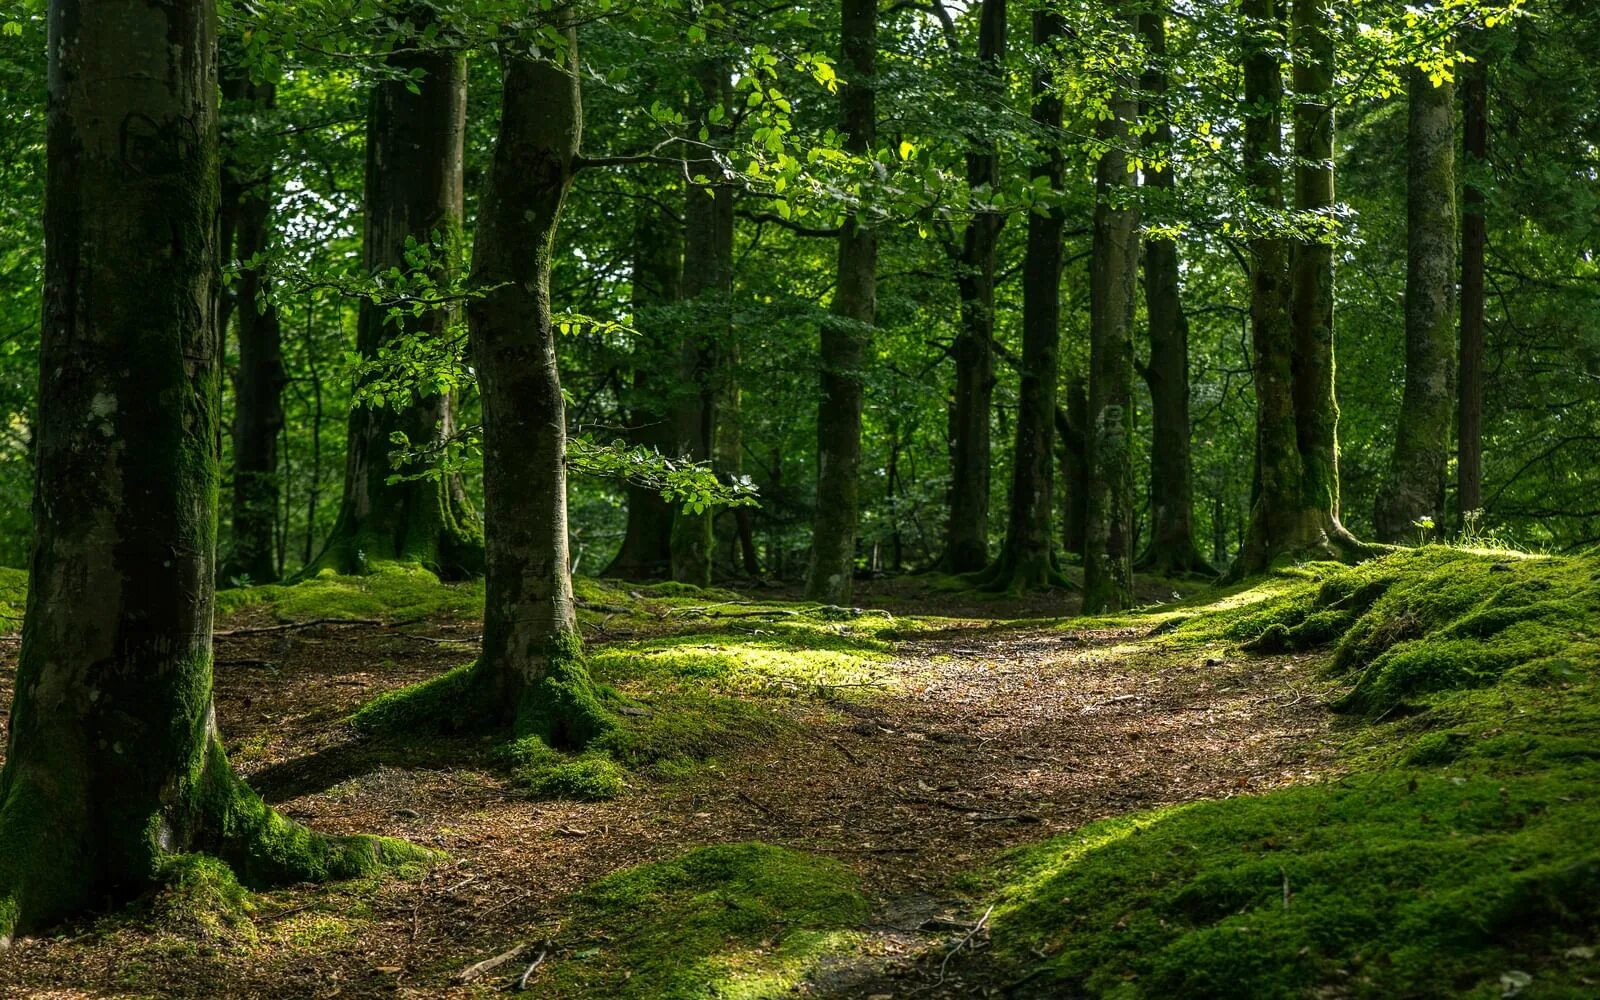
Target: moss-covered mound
column 391, row 592
column 13, row 599
column 1459, row 855
column 733, row 921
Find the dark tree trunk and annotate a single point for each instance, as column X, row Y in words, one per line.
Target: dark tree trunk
column 707, row 282
column 1027, row 556
column 646, row 551
column 967, row 528
column 1415, row 488
column 114, row 765
column 1469, row 405
column 413, row 190
column 531, row 667
column 1109, row 524
column 258, row 383
column 1172, row 549
column 844, row 340
column 1070, row 423
column 1295, row 509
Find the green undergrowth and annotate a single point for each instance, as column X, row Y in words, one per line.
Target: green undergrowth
column 13, row 599
column 392, row 591
column 732, row 922
column 1456, row 854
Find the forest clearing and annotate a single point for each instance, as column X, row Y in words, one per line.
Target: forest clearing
column 757, row 499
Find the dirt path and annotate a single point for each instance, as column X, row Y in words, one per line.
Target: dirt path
column 992, row 737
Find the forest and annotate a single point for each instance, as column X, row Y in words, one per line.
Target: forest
column 859, row 499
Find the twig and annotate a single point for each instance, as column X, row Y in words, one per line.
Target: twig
column 962, row 944
column 848, row 755
column 757, row 803
column 472, row 972
column 1285, row 875
column 522, row 983
column 287, row 626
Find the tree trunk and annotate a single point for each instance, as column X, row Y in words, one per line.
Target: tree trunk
column 258, row 383
column 1172, row 549
column 707, row 282
column 1294, row 513
column 830, row 578
column 413, row 191
column 531, row 669
column 1414, row 492
column 1109, row 524
column 646, row 551
column 114, row 766
column 1469, row 405
column 967, row 529
column 1027, row 557
column 1070, row 424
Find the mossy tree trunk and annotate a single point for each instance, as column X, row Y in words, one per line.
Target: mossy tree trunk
column 1027, row 557
column 707, row 283
column 114, row 765
column 1172, row 549
column 1109, row 525
column 530, row 673
column 1474, row 237
column 1294, row 513
column 413, row 191
column 646, row 551
column 831, row 575
column 247, row 191
column 967, row 525
column 1414, row 489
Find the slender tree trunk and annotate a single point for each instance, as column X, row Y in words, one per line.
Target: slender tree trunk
column 845, row 337
column 1109, row 525
column 1172, row 548
column 646, row 551
column 413, row 191
column 1070, row 429
column 259, row 381
column 1415, row 488
column 1469, row 406
column 114, row 766
column 707, row 282
column 531, row 668
column 1295, row 508
column 1027, row 556
column 967, row 528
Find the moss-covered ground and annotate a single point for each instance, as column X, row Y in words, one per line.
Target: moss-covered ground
column 1369, row 781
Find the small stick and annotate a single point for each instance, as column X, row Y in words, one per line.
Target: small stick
column 287, row 626
column 522, row 984
column 1285, row 875
column 472, row 972
column 757, row 803
column 848, row 755
column 963, row 943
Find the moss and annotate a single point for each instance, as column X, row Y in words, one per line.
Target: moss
column 547, row 773
column 13, row 599
column 391, row 591
column 453, row 702
column 200, row 897
column 729, row 921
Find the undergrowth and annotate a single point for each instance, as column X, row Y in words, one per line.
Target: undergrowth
column 1456, row 856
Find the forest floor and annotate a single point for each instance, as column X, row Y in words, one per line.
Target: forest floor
column 874, row 767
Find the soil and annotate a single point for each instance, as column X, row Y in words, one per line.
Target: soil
column 1003, row 733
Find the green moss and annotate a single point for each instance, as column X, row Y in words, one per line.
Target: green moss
column 13, row 599
column 453, row 702
column 729, row 921
column 391, row 591
column 547, row 773
column 200, row 897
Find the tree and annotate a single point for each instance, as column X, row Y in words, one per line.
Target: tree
column 114, row 768
column 247, row 206
column 413, row 199
column 1109, row 528
column 1172, row 549
column 1294, row 512
column 1413, row 494
column 967, row 525
column 1027, row 557
column 1469, row 388
column 844, row 340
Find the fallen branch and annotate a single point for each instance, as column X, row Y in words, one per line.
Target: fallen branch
column 522, row 983
column 289, row 626
column 965, row 940
column 472, row 972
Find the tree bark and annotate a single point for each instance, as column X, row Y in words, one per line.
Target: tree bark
column 708, row 283
column 830, row 578
column 1415, row 488
column 259, row 381
column 1172, row 549
column 646, row 551
column 1071, row 422
column 967, row 527
column 1027, row 557
column 114, row 766
column 1294, row 513
column 1469, row 405
column 413, row 190
column 1109, row 526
